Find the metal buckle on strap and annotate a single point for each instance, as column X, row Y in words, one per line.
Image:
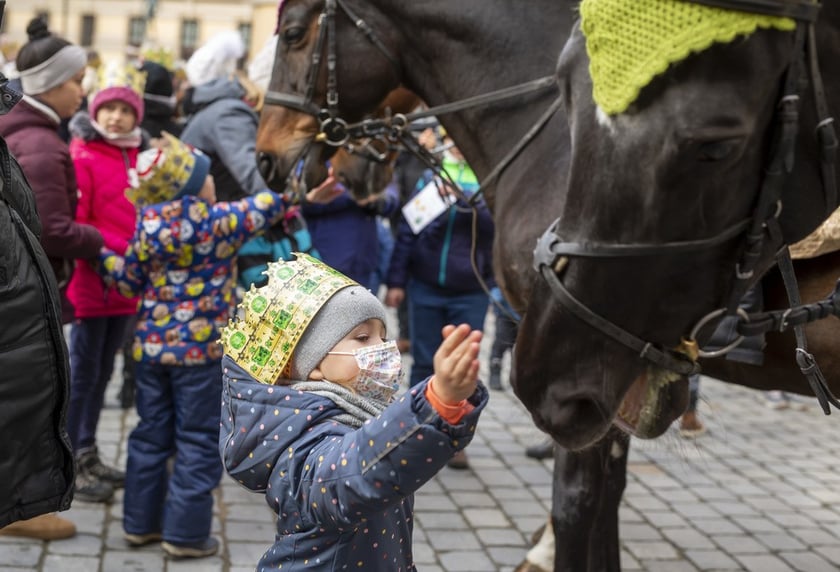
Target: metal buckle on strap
column 692, row 337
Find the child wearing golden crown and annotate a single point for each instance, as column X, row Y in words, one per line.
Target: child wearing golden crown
column 310, row 418
column 104, row 147
column 181, row 262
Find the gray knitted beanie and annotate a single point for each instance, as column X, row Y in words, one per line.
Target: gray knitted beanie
column 345, row 310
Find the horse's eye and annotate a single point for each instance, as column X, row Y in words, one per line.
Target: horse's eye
column 293, row 35
column 712, row 151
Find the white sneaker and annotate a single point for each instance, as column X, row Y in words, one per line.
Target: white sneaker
column 776, row 400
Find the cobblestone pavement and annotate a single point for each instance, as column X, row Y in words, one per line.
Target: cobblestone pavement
column 759, row 492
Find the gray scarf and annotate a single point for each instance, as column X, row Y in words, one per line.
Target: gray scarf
column 357, row 409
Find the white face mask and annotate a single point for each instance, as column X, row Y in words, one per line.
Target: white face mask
column 380, row 370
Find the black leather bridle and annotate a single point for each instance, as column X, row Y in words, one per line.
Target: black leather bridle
column 760, row 232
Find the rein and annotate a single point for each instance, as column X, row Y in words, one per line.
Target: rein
column 761, row 231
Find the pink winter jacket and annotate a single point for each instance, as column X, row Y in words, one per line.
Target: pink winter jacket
column 102, row 175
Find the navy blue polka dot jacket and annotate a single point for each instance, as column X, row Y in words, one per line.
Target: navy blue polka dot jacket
column 344, row 497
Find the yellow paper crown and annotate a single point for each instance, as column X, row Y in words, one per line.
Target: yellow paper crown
column 159, row 55
column 172, row 170
column 629, row 42
column 275, row 316
column 121, row 75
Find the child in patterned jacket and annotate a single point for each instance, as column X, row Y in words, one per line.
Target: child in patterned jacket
column 310, row 417
column 181, row 261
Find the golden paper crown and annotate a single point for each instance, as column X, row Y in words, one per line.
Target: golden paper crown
column 121, row 75
column 159, row 55
column 275, row 316
column 172, row 170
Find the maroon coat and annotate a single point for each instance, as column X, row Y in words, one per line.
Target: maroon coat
column 33, row 139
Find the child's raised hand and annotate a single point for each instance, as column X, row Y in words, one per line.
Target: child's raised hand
column 326, row 192
column 456, row 364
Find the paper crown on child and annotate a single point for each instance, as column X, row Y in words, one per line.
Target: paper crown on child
column 173, row 170
column 159, row 55
column 119, row 81
column 305, row 309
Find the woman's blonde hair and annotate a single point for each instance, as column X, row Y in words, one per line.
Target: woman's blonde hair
column 254, row 96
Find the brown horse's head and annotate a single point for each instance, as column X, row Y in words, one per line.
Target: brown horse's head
column 287, row 135
column 684, row 162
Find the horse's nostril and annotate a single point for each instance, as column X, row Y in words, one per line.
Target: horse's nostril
column 266, row 165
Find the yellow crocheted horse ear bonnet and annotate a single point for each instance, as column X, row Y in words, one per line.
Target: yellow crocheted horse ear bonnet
column 275, row 316
column 630, row 42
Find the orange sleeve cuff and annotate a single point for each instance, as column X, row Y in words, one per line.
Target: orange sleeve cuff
column 452, row 414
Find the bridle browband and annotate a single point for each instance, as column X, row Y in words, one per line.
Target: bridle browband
column 761, row 231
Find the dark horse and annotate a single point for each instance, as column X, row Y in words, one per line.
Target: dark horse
column 659, row 202
column 438, row 64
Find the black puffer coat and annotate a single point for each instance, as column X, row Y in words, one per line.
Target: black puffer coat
column 36, row 463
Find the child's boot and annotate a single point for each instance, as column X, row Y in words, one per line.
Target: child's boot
column 208, row 547
column 89, row 461
column 495, row 380
column 89, row 487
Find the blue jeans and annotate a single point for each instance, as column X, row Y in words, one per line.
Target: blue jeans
column 93, row 347
column 179, row 410
column 431, row 308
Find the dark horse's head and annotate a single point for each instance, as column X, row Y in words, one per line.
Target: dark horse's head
column 684, row 162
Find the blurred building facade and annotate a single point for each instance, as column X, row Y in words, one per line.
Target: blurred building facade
column 113, row 27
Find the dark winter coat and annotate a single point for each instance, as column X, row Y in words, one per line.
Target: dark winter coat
column 159, row 117
column 36, row 463
column 440, row 254
column 344, row 497
column 345, row 233
column 33, row 139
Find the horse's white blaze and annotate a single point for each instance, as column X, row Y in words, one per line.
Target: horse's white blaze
column 605, row 120
column 541, row 554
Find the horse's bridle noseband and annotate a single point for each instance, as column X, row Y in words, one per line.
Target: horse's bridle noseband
column 762, row 229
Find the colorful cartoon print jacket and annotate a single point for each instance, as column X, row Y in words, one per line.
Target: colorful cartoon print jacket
column 181, row 261
column 344, row 497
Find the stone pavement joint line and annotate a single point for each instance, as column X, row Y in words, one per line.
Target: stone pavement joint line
column 759, row 492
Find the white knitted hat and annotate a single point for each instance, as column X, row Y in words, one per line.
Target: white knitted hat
column 215, row 59
column 259, row 70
